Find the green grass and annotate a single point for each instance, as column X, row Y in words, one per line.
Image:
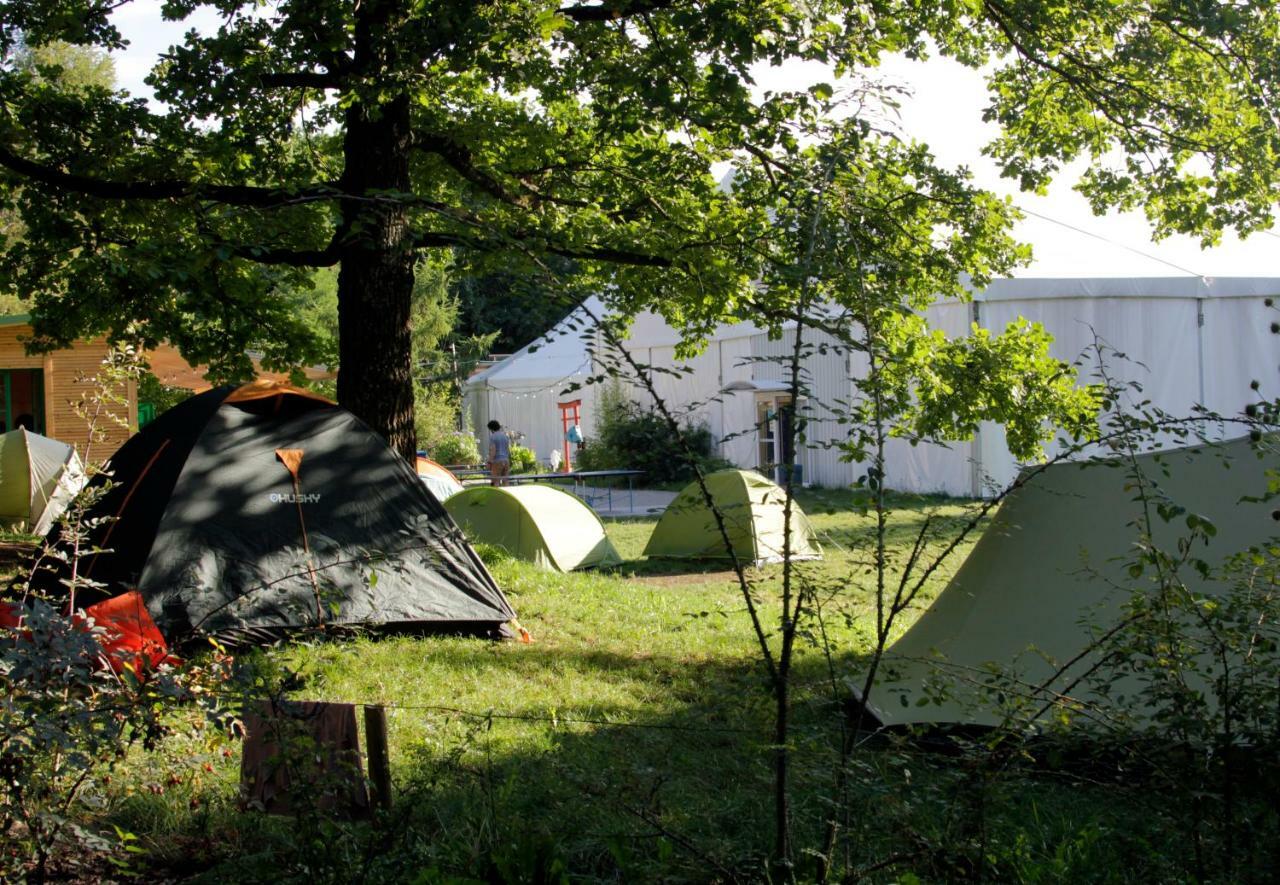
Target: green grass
column 640, row 706
column 629, row 742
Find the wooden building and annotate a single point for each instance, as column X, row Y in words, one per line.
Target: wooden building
column 40, row 391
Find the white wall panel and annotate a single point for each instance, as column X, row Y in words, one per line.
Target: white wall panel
column 1239, row 347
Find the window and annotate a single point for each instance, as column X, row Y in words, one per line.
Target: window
column 23, row 394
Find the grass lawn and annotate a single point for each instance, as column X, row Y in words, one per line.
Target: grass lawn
column 628, row 742
column 634, row 727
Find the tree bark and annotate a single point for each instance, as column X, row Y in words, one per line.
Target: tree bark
column 375, row 282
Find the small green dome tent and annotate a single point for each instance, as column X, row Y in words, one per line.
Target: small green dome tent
column 38, row 479
column 539, row 523
column 753, row 512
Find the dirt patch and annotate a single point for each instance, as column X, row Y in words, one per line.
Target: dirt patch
column 685, row 579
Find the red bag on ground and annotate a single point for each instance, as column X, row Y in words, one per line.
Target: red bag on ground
column 131, row 636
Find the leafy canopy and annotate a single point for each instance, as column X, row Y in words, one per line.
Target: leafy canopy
column 586, row 131
column 861, row 235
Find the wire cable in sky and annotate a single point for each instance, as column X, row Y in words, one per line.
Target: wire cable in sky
column 1109, row 241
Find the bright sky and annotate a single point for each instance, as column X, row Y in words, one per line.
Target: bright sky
column 945, row 111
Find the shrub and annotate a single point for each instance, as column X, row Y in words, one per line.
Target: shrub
column 523, row 460
column 458, row 447
column 435, row 415
column 66, row 720
column 630, row 437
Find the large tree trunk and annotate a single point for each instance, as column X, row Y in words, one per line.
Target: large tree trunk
column 375, row 283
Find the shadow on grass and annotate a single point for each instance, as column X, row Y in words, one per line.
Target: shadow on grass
column 669, row 781
column 668, row 567
column 666, row 779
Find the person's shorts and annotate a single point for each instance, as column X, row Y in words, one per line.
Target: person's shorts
column 499, row 469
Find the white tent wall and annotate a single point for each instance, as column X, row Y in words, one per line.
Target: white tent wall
column 1239, row 348
column 1185, row 340
column 925, row 468
column 824, row 373
column 532, row 412
column 934, row 468
column 1158, row 337
column 699, row 396
column 739, row 442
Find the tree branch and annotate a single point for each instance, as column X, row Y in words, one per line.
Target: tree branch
column 613, row 256
column 304, row 80
column 164, row 189
column 461, row 160
column 326, row 257
column 613, row 10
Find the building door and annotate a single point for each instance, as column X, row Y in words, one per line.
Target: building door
column 773, row 422
column 23, row 394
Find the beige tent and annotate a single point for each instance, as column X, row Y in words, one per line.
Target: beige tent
column 754, row 512
column 1050, row 573
column 538, row 523
column 38, row 479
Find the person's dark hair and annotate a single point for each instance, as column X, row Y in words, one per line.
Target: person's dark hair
column 494, row 426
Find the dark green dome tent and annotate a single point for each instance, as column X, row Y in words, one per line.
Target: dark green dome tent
column 262, row 508
column 753, row 511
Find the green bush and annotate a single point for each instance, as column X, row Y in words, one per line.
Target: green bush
column 435, row 415
column 523, row 460
column 458, row 447
column 161, row 398
column 630, row 437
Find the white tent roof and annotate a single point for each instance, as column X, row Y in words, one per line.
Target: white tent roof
column 557, row 356
column 562, row 352
column 1129, row 287
column 651, row 330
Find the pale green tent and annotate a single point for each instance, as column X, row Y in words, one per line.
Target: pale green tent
column 38, row 479
column 752, row 508
column 1049, row 574
column 538, row 523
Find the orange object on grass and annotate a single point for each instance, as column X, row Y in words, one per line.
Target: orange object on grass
column 131, row 636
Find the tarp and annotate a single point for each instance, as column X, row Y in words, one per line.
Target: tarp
column 129, row 638
column 437, row 478
column 255, row 510
column 39, row 477
column 1050, row 573
column 753, row 511
column 539, row 523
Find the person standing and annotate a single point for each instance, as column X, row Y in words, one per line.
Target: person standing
column 499, row 455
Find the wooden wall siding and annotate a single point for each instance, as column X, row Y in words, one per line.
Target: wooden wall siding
column 64, row 374
column 12, row 354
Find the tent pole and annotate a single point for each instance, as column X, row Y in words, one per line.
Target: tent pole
column 1200, row 346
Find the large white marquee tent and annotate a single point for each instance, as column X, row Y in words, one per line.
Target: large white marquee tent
column 1186, row 340
column 522, row 391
